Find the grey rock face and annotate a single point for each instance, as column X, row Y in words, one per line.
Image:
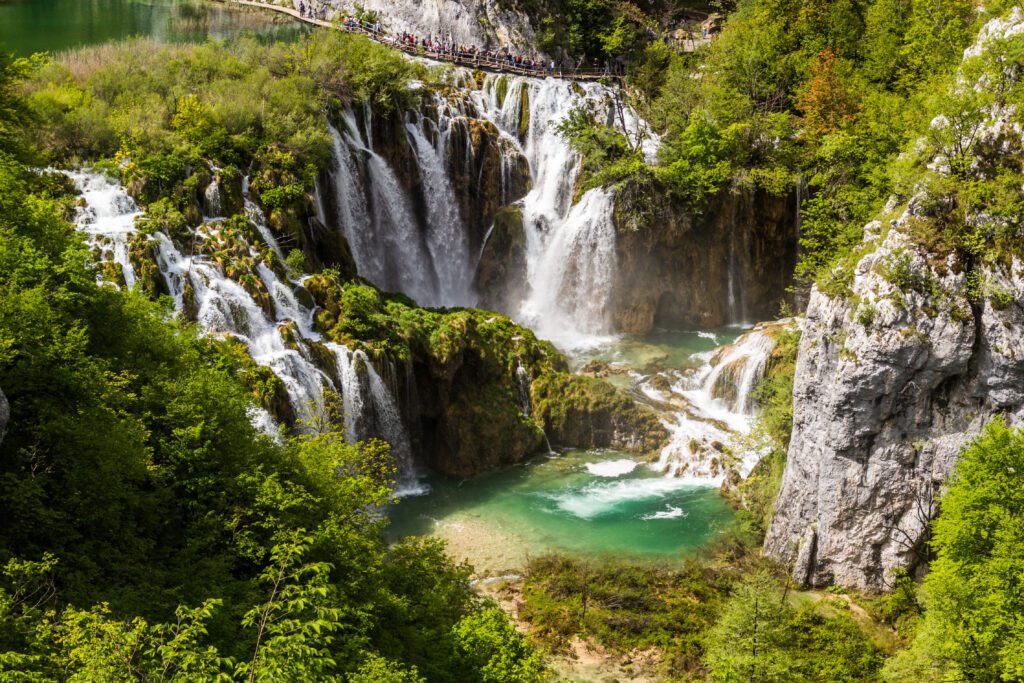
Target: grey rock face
column 891, row 383
column 467, row 22
column 893, row 380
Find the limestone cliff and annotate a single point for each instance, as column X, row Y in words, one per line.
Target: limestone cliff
column 483, row 23
column 898, row 372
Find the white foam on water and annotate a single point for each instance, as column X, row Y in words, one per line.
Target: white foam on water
column 601, row 498
column 670, row 512
column 611, row 468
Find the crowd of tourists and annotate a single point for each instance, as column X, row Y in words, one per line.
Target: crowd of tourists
column 445, row 47
column 471, row 53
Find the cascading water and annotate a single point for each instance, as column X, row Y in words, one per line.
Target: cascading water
column 222, row 306
column 574, row 273
column 108, row 218
column 446, row 235
column 712, row 405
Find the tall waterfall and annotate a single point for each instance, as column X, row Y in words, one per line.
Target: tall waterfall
column 446, row 235
column 224, row 307
column 571, row 257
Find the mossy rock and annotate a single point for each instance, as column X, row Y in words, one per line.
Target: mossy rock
column 501, row 273
column 482, row 429
column 524, row 113
column 585, row 412
column 232, row 201
column 142, row 254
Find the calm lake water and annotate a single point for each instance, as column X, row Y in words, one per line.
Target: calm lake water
column 28, row 26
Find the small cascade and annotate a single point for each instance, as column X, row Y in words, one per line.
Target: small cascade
column 353, row 394
column 108, row 218
column 523, row 381
column 256, row 216
column 223, row 307
column 392, row 430
column 706, row 408
column 211, row 195
column 276, row 329
column 735, row 371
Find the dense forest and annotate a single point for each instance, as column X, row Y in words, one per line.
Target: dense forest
column 152, row 532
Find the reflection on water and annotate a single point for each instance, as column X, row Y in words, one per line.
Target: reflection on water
column 28, row 26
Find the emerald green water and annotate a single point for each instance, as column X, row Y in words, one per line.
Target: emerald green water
column 28, row 26
column 498, row 520
column 558, row 503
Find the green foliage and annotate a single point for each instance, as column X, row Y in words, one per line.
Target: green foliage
column 971, row 628
column 826, row 96
column 296, row 261
column 376, row 669
column 150, row 532
column 761, row 637
column 609, row 157
column 624, row 607
column 488, row 643
column 248, row 105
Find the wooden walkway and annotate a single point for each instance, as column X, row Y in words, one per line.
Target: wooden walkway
column 466, row 59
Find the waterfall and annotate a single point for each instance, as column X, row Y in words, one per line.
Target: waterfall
column 446, row 235
column 108, row 218
column 378, row 221
column 523, row 381
column 256, row 216
column 212, row 196
column 571, row 259
column 736, row 370
column 573, row 273
column 389, row 423
column 223, row 307
column 715, row 403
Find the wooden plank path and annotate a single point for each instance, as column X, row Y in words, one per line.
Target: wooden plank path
column 466, row 59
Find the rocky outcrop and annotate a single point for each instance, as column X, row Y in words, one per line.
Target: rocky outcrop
column 475, row 389
column 731, row 262
column 891, row 381
column 585, row 412
column 501, row 273
column 910, row 355
column 483, row 23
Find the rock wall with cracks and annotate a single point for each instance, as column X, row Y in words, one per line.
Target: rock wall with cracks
column 890, row 384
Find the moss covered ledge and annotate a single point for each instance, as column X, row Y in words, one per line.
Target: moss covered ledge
column 580, row 411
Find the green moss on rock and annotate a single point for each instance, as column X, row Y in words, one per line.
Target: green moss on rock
column 586, row 412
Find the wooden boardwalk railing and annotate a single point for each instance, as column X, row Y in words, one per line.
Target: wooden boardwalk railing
column 478, row 60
